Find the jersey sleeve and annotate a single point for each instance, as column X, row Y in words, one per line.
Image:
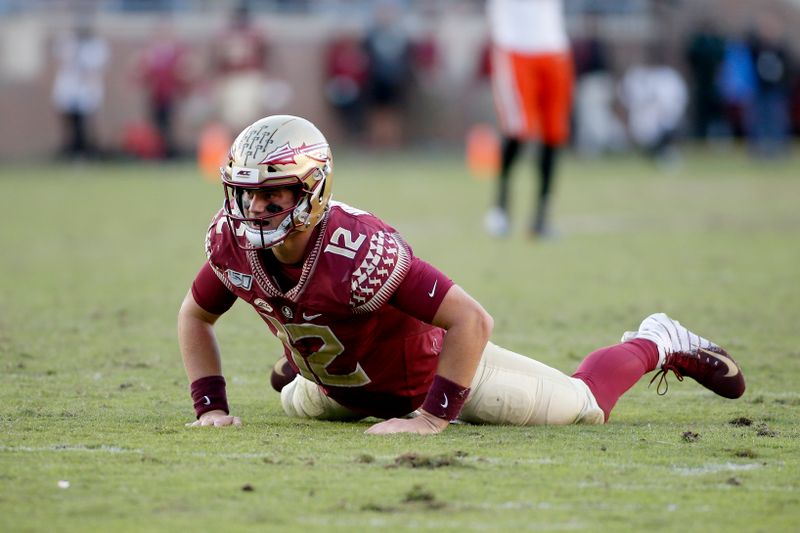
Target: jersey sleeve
column 380, row 272
column 210, row 293
column 422, row 291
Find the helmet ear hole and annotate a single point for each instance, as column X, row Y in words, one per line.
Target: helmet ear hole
column 271, row 168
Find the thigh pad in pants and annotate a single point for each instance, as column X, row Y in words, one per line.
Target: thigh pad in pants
column 510, row 388
column 304, row 399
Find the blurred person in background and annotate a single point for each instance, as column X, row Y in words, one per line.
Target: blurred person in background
column 428, row 79
column 370, row 329
column 794, row 104
column 737, row 86
column 656, row 96
column 597, row 128
column 769, row 120
column 239, row 62
column 346, row 74
column 532, row 81
column 705, row 52
column 79, row 87
column 388, row 47
column 163, row 72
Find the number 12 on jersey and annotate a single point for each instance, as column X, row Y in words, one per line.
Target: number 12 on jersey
column 349, row 247
column 314, row 366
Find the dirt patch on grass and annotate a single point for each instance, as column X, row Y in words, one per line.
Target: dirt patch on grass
column 764, row 431
column 420, row 496
column 750, row 454
column 417, row 460
column 690, row 436
column 417, row 498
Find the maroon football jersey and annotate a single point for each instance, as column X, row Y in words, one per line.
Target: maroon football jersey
column 339, row 323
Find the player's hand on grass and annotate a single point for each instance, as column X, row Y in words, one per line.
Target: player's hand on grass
column 216, row 418
column 423, row 424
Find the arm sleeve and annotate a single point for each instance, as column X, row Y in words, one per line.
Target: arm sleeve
column 210, row 293
column 421, row 291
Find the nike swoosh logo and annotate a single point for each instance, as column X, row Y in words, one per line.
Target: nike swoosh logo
column 433, row 290
column 732, row 368
column 446, row 403
column 207, row 400
column 311, row 317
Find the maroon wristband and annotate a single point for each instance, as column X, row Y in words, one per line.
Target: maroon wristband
column 208, row 394
column 445, row 398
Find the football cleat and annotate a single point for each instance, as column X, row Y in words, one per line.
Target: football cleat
column 282, row 374
column 496, row 223
column 688, row 354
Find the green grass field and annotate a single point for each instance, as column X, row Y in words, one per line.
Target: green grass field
column 96, row 259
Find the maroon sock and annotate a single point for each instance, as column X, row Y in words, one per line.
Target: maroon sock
column 611, row 371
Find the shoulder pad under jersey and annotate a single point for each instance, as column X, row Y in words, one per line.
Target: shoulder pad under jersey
column 217, row 237
column 380, row 272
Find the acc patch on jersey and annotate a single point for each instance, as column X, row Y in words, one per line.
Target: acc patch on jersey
column 237, row 279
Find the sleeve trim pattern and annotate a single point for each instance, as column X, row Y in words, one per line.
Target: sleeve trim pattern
column 216, row 225
column 385, row 266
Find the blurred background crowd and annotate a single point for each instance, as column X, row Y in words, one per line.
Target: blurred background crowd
column 161, row 79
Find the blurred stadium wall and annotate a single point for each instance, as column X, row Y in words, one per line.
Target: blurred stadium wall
column 298, row 32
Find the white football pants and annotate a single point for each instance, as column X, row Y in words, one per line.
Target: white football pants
column 508, row 388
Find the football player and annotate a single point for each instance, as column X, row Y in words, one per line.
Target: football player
column 368, row 328
column 532, row 82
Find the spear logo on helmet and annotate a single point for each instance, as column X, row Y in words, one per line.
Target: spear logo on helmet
column 285, row 154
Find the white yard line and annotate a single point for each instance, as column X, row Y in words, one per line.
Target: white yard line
column 712, row 468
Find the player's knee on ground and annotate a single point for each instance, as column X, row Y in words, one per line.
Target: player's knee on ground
column 304, row 399
column 282, row 374
column 512, row 389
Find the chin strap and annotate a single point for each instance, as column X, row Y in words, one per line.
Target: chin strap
column 270, row 238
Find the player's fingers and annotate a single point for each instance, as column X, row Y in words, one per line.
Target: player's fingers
column 227, row 421
column 385, row 427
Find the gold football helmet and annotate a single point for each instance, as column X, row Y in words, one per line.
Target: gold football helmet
column 277, row 151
